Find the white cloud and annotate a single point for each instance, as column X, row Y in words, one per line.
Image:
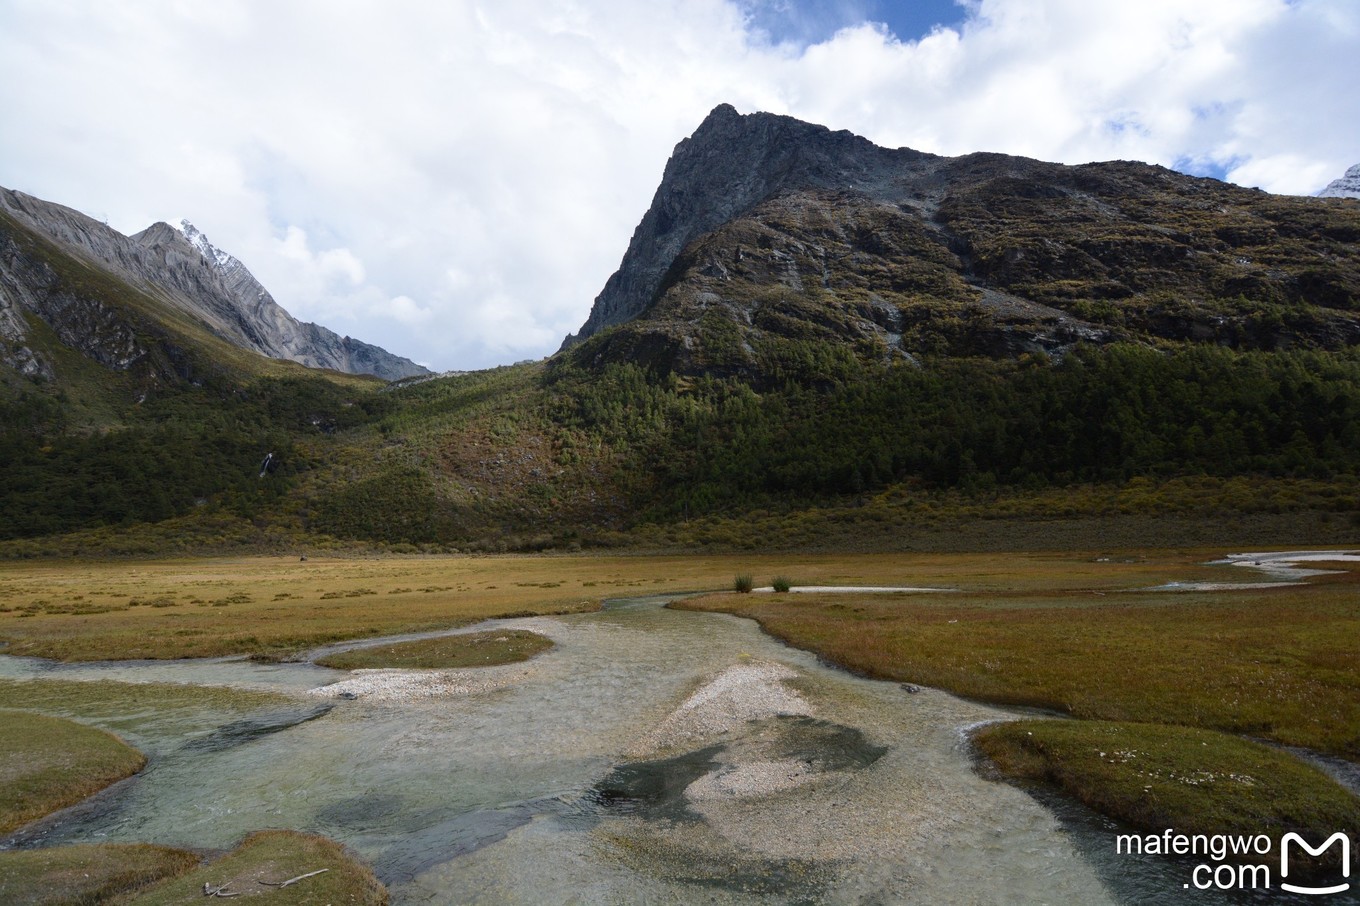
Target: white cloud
column 321, row 268
column 456, row 180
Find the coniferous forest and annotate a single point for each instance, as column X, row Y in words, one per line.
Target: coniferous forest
column 563, row 452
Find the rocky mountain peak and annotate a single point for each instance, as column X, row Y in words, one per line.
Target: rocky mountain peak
column 1347, row 186
column 259, row 321
column 214, row 255
column 772, row 241
column 178, row 269
column 730, row 164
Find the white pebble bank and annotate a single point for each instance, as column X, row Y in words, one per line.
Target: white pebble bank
column 386, row 685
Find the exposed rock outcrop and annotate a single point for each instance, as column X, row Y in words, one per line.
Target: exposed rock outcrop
column 730, row 164
column 769, row 236
column 160, row 266
column 32, row 294
column 264, row 324
column 1347, row 186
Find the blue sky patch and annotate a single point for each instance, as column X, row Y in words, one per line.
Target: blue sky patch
column 1198, row 167
column 806, row 22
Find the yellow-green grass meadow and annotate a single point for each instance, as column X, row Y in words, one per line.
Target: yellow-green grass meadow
column 267, row 859
column 1177, row 678
column 1154, row 776
column 1081, row 633
column 278, row 606
column 48, row 763
column 100, row 701
column 1276, row 663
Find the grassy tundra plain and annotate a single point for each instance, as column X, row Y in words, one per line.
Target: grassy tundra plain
column 1170, row 687
column 278, row 606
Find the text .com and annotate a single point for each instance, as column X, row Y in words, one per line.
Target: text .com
column 1240, row 862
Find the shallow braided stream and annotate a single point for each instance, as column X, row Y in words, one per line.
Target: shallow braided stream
column 653, row 756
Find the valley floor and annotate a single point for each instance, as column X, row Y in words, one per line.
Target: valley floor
column 1174, row 651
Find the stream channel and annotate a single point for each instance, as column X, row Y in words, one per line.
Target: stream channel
column 652, row 756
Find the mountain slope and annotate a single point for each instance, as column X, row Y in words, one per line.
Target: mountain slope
column 265, row 325
column 122, row 404
column 70, row 319
column 767, row 232
column 811, row 341
column 731, row 163
column 170, row 278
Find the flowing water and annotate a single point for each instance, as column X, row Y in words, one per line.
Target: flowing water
column 653, row 756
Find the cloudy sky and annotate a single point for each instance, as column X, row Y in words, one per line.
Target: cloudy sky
column 454, row 180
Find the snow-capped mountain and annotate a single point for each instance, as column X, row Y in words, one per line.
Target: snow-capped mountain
column 272, row 330
column 177, row 268
column 1347, row 186
column 223, row 261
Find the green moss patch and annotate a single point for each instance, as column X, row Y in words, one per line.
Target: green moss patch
column 47, row 763
column 86, row 874
column 477, row 649
column 1156, row 777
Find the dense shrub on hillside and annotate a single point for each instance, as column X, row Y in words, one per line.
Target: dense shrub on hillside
column 1100, row 415
column 567, row 451
column 171, row 454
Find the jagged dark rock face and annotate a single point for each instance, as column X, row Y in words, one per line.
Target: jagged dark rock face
column 766, row 230
column 161, row 274
column 730, row 164
column 35, row 296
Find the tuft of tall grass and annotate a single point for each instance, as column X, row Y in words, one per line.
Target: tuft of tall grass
column 781, row 583
column 743, row 584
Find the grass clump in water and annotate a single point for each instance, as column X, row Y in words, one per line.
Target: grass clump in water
column 267, row 859
column 47, row 763
column 106, row 700
column 86, row 873
column 781, row 583
column 743, row 584
column 1155, row 777
column 477, row 649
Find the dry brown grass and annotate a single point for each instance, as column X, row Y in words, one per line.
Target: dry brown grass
column 274, row 606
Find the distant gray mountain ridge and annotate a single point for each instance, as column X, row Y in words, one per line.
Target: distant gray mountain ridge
column 262, row 322
column 183, row 269
column 1347, row 186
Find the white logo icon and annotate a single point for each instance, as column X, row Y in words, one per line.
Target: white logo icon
column 1345, row 862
